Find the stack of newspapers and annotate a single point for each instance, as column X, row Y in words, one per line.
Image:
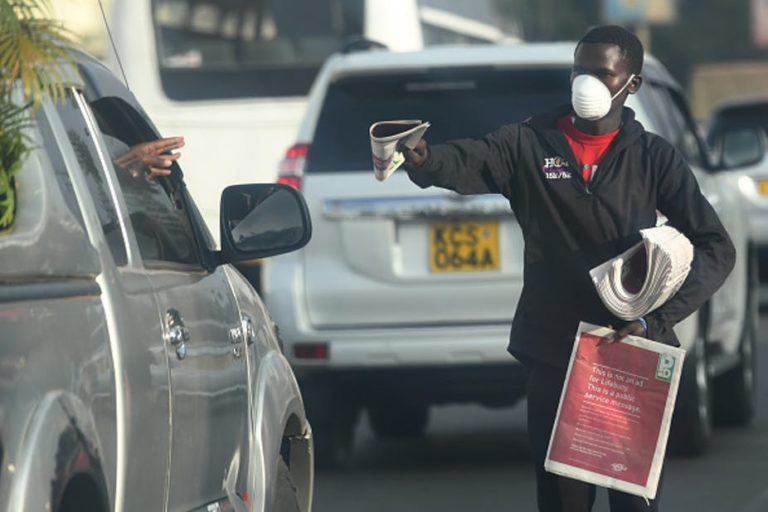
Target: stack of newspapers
column 644, row 277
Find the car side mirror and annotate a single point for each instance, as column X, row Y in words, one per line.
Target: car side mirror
column 262, row 220
column 741, row 147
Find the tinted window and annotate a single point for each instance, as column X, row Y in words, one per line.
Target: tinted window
column 85, row 150
column 241, row 48
column 743, row 116
column 674, row 123
column 658, row 109
column 687, row 140
column 156, row 207
column 59, row 167
column 459, row 103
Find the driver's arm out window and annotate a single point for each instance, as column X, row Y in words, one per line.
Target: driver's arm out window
column 160, row 222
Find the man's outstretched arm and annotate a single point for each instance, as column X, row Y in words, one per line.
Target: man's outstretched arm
column 467, row 166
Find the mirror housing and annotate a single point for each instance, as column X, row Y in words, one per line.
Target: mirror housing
column 261, row 220
column 740, row 146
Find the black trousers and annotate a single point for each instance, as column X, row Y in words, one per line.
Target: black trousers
column 556, row 493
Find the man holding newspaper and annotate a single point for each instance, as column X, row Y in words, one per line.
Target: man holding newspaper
column 583, row 181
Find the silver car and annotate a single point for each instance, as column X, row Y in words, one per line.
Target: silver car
column 737, row 132
column 404, row 297
column 138, row 369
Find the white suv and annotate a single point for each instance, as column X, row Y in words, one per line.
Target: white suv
column 405, row 296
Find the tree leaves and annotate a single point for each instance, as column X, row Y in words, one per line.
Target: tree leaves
column 33, row 49
column 14, row 147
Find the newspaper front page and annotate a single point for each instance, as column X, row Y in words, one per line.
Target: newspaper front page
column 615, row 411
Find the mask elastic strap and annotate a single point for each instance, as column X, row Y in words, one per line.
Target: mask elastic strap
column 623, row 87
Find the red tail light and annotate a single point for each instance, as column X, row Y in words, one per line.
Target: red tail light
column 292, row 167
column 311, row 351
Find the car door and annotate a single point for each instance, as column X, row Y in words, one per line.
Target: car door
column 141, row 416
column 199, row 320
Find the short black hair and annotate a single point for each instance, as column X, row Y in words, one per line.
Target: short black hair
column 630, row 46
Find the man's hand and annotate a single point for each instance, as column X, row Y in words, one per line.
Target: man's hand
column 635, row 328
column 151, row 159
column 417, row 156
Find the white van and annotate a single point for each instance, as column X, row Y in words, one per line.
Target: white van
column 234, row 75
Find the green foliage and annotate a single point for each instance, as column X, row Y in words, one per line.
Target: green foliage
column 33, row 51
column 13, row 149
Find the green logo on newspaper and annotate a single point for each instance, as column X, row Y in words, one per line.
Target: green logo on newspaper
column 665, row 368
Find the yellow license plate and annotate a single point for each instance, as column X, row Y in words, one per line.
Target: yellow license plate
column 762, row 186
column 464, row 247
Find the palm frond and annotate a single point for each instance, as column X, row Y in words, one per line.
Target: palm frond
column 14, row 146
column 32, row 49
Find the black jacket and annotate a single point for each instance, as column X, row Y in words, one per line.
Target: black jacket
column 569, row 227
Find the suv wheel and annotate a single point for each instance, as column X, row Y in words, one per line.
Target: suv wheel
column 691, row 423
column 735, row 392
column 333, row 423
column 398, row 420
column 285, row 494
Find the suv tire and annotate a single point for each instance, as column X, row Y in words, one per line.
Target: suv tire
column 390, row 420
column 285, row 494
column 333, row 423
column 692, row 420
column 735, row 392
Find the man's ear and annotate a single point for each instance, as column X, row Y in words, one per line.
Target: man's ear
column 634, row 84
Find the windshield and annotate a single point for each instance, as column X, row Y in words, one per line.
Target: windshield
column 211, row 49
column 459, row 103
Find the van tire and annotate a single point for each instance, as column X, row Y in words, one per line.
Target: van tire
column 735, row 391
column 390, row 420
column 286, row 499
column 691, row 427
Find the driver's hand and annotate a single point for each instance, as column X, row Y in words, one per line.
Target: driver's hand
column 151, row 159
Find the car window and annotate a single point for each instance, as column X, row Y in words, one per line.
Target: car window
column 156, row 207
column 84, row 146
column 59, row 167
column 740, row 116
column 657, row 106
column 644, row 114
column 688, row 142
column 675, row 126
column 459, row 103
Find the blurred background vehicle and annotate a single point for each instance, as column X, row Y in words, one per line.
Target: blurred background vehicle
column 235, row 75
column 139, row 369
column 405, row 297
column 737, row 132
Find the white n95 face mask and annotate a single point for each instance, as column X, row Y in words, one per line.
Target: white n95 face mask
column 590, row 98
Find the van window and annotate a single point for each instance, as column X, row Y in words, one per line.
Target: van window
column 459, row 103
column 240, row 48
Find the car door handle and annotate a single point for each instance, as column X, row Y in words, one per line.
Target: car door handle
column 242, row 334
column 176, row 333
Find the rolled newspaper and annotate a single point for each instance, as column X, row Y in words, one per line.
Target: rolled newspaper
column 386, row 137
column 647, row 275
